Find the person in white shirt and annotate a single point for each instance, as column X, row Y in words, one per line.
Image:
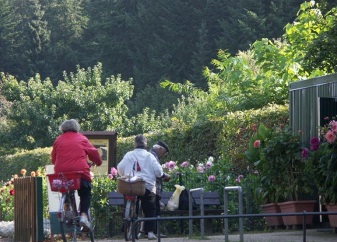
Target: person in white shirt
column 142, row 163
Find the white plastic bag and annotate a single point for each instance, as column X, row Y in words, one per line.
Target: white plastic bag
column 173, row 203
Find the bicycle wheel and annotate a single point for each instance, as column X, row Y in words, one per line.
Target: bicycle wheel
column 90, row 233
column 129, row 215
column 66, row 215
column 140, row 230
column 133, row 211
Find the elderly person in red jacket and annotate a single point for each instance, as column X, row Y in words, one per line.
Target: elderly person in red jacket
column 71, row 152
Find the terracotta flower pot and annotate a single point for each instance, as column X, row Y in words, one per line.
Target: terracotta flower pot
column 332, row 218
column 272, row 221
column 297, row 207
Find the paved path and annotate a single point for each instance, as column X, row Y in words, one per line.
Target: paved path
column 312, row 235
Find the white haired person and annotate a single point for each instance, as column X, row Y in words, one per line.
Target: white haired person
column 71, row 152
column 159, row 150
column 145, row 165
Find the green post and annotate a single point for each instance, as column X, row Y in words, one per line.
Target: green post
column 39, row 208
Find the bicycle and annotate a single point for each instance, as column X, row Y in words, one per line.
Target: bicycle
column 67, row 183
column 133, row 211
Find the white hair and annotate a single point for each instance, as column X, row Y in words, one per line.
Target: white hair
column 70, row 125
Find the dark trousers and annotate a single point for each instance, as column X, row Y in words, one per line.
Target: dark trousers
column 85, row 196
column 158, row 198
column 149, row 209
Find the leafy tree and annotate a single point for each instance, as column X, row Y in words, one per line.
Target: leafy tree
column 192, row 107
column 200, row 58
column 38, row 42
column 154, row 98
column 9, row 36
column 261, row 75
column 254, row 20
column 109, row 34
column 38, row 107
column 321, row 52
column 67, row 23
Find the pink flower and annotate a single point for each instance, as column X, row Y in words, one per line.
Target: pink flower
column 170, row 165
column 239, row 178
column 110, row 176
column 11, row 192
column 113, row 171
column 257, row 143
column 330, row 137
column 201, row 168
column 315, row 143
column 254, row 127
column 185, row 164
column 305, row 153
column 209, row 164
column 211, row 178
column 333, row 126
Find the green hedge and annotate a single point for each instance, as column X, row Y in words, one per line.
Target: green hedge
column 226, row 139
column 30, row 160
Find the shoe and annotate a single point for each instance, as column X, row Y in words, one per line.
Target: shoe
column 151, row 237
column 162, row 235
column 84, row 223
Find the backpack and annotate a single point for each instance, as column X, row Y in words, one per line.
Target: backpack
column 184, row 201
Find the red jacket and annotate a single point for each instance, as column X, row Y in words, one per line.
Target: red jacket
column 71, row 152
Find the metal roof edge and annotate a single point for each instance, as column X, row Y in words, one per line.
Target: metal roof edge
column 316, row 81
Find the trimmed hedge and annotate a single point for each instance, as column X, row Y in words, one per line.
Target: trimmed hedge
column 225, row 139
column 30, row 160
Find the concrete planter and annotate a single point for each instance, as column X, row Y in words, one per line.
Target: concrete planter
column 297, row 207
column 272, row 221
column 332, row 218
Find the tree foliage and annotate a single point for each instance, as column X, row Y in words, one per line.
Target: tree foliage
column 147, row 40
column 39, row 107
column 250, row 79
column 261, row 75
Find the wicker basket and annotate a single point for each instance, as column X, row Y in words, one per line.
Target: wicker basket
column 130, row 188
column 63, row 181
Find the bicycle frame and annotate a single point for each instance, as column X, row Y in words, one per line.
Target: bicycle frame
column 69, row 217
column 132, row 212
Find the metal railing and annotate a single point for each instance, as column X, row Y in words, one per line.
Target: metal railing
column 226, row 201
column 202, row 212
column 158, row 219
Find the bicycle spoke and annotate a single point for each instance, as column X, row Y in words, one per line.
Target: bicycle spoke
column 140, row 230
column 91, row 232
column 128, row 219
column 63, row 221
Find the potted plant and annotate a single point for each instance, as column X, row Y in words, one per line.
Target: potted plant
column 277, row 156
column 323, row 163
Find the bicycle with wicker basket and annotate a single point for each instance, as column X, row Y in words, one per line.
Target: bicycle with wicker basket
column 69, row 216
column 131, row 188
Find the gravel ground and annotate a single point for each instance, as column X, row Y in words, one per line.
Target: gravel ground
column 6, row 230
column 312, row 235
